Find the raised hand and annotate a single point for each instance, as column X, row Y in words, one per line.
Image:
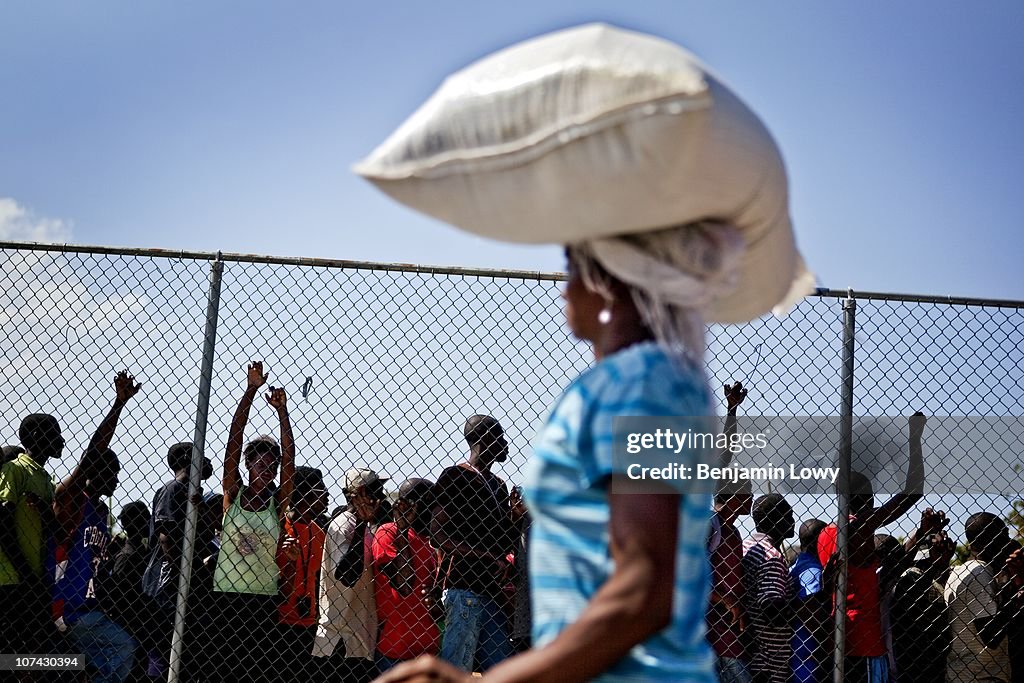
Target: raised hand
column 517, row 505
column 932, row 522
column 290, row 548
column 1014, row 566
column 941, row 549
column 917, row 423
column 254, row 375
column 125, row 387
column 277, row 399
column 734, row 395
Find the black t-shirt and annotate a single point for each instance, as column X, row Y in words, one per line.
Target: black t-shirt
column 170, row 504
column 920, row 627
column 122, row 586
column 475, row 509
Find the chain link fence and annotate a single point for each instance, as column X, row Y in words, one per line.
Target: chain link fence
column 382, row 365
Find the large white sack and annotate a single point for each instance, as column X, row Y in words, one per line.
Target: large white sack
column 596, row 131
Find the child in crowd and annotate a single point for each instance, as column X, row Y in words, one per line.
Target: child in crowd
column 121, row 589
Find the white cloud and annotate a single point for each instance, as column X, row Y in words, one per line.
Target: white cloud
column 20, row 224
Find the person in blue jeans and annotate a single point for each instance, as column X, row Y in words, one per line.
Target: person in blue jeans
column 475, row 527
column 83, row 538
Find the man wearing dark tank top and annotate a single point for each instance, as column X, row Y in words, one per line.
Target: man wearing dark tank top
column 473, row 526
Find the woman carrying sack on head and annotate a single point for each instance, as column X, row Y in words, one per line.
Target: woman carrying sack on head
column 670, row 199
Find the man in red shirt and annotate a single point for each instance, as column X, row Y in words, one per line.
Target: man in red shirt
column 404, row 568
column 865, row 642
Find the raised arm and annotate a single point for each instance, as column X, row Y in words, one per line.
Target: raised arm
column 67, row 499
column 278, row 400
column 932, row 522
column 734, row 395
column 232, row 479
column 125, row 387
column 913, row 490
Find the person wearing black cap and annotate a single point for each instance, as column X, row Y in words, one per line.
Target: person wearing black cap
column 166, row 535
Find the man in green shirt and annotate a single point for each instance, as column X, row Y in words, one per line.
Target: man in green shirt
column 26, row 525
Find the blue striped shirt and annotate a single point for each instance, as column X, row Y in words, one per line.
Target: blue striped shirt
column 566, row 489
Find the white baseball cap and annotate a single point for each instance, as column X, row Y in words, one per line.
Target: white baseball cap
column 358, row 477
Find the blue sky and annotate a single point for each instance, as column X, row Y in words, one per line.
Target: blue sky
column 232, row 125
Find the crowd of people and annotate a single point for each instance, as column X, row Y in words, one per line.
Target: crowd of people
column 909, row 615
column 281, row 590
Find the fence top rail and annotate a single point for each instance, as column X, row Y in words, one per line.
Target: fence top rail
column 511, row 274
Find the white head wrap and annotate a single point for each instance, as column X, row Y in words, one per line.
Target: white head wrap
column 674, row 275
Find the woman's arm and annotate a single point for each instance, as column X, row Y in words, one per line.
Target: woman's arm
column 232, row 480
column 634, row 604
column 279, row 401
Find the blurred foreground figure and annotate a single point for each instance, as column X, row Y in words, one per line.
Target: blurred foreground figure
column 670, row 198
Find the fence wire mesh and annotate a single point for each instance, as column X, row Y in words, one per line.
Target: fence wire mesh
column 381, row 367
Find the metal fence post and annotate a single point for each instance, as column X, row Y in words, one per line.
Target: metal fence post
column 845, row 452
column 195, row 471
